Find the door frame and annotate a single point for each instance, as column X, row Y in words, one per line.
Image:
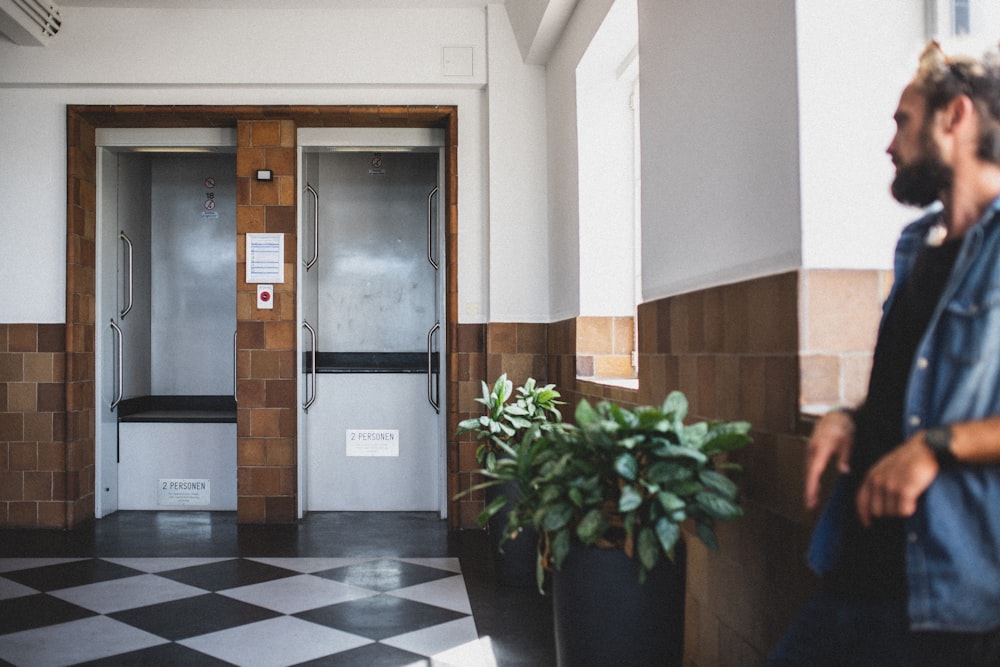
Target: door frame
column 81, row 289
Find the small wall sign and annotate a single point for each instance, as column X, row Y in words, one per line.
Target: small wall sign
column 368, row 442
column 184, row 492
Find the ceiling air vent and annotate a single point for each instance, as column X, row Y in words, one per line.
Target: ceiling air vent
column 29, row 22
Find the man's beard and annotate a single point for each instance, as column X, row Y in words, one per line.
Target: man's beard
column 921, row 183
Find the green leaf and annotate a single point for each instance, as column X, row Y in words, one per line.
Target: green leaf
column 727, row 437
column 670, row 502
column 560, row 547
column 686, row 487
column 585, row 414
column 495, row 506
column 668, row 450
column 667, row 533
column 630, row 499
column 677, row 405
column 707, row 535
column 718, row 507
column 719, row 483
column 649, row 548
column 557, row 516
column 694, row 435
column 591, row 526
column 664, row 472
column 627, row 466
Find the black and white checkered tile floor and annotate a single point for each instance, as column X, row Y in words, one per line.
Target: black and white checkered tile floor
column 245, row 610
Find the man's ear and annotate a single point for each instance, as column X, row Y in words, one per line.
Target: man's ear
column 959, row 114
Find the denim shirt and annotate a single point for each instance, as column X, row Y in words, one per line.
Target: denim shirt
column 953, row 539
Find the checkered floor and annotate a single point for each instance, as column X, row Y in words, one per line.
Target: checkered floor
column 241, row 611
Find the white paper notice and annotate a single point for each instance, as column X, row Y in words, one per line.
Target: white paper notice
column 265, row 258
column 363, row 442
column 184, row 492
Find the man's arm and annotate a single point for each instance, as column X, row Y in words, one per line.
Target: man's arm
column 833, row 437
column 895, row 483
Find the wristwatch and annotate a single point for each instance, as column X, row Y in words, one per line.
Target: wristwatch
column 939, row 440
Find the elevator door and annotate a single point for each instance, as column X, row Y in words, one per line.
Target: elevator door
column 371, row 302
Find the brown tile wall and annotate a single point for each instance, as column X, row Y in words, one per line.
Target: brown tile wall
column 837, row 341
column 267, row 409
column 481, row 352
column 47, row 454
column 604, row 347
column 734, row 351
column 33, row 425
column 466, row 372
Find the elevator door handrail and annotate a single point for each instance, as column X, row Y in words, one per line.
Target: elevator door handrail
column 120, row 390
column 312, row 367
column 315, row 254
column 430, row 230
column 128, row 247
column 435, row 401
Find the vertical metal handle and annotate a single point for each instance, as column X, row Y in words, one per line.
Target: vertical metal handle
column 128, row 246
column 312, row 366
column 315, row 255
column 121, row 366
column 236, row 397
column 431, row 383
column 430, row 230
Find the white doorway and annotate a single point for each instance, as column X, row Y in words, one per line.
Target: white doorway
column 165, row 320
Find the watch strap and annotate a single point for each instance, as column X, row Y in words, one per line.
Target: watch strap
column 938, row 439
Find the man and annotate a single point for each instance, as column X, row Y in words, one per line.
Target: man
column 908, row 546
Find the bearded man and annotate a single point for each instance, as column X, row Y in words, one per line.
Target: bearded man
column 908, row 546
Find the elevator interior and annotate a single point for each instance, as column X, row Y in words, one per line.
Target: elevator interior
column 371, row 295
column 166, row 320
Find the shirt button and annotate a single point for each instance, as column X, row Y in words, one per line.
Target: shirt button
column 912, row 537
column 922, row 363
column 914, row 420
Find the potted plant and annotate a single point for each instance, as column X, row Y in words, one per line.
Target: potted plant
column 508, row 417
column 608, row 498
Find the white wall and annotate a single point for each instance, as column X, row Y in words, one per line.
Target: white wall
column 563, row 158
column 720, row 181
column 518, row 227
column 855, row 56
column 606, row 78
column 116, row 56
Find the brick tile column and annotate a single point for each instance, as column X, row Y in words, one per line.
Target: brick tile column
column 266, row 339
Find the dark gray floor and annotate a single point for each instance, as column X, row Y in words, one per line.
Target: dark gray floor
column 516, row 620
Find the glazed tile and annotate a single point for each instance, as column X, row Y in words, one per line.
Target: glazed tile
column 274, row 643
column 454, row 643
column 294, row 594
column 73, row 642
column 380, row 616
column 190, row 617
column 140, row 591
column 449, row 593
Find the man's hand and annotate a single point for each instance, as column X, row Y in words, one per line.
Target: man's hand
column 895, row 483
column 833, row 437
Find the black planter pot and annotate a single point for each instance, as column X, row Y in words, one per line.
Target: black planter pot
column 604, row 617
column 514, row 560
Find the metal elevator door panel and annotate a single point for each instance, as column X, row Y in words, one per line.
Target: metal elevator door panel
column 374, row 436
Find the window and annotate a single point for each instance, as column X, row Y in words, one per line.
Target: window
column 607, row 80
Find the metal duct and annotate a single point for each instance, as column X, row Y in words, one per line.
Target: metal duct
column 29, row 22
